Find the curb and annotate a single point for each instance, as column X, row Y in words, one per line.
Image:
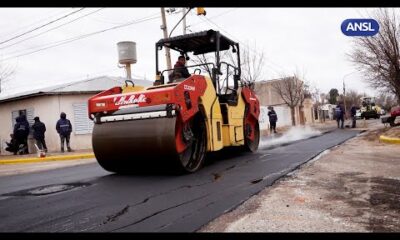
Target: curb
column 389, row 140
column 47, row 159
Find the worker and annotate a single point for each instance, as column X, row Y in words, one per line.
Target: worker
column 64, row 129
column 353, row 112
column 39, row 128
column 21, row 132
column 12, row 146
column 273, row 118
column 180, row 71
column 339, row 112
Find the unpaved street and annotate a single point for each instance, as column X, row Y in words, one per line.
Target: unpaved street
column 352, row 188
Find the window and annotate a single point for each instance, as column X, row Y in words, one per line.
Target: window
column 29, row 113
column 83, row 125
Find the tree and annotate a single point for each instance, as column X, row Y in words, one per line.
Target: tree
column 386, row 101
column 353, row 98
column 333, row 94
column 315, row 94
column 378, row 57
column 291, row 90
column 252, row 64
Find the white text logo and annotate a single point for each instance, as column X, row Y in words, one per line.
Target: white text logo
column 190, row 88
column 131, row 100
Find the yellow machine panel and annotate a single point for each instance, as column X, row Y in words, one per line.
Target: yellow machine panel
column 233, row 130
column 212, row 110
column 126, row 89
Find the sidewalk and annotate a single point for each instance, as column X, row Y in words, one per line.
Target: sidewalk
column 50, row 156
column 20, row 164
column 351, row 188
column 391, row 135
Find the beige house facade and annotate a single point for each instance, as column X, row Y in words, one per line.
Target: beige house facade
column 269, row 97
column 48, row 103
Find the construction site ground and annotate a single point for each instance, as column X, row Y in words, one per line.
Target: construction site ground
column 354, row 187
column 351, row 188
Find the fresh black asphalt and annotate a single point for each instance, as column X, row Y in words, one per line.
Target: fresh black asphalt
column 86, row 198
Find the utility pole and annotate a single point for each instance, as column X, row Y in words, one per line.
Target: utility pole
column 184, row 20
column 344, row 91
column 344, row 99
column 164, row 28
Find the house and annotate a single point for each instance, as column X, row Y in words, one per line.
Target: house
column 49, row 102
column 326, row 111
column 269, row 97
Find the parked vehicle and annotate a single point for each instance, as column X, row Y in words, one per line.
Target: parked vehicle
column 394, row 112
column 358, row 114
column 369, row 109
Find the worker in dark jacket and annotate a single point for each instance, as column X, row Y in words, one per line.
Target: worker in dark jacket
column 64, row 129
column 180, row 71
column 353, row 112
column 339, row 112
column 273, row 118
column 12, row 146
column 21, row 132
column 39, row 128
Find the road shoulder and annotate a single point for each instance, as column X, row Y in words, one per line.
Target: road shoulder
column 352, row 188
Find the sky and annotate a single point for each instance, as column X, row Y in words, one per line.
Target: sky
column 51, row 46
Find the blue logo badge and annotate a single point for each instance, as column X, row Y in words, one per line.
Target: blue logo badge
column 360, row 27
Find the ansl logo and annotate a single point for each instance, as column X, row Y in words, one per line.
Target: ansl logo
column 360, row 27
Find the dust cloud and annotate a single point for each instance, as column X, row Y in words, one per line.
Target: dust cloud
column 293, row 134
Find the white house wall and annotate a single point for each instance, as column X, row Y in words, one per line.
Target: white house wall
column 48, row 108
column 284, row 118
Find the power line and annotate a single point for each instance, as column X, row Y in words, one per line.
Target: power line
column 23, row 40
column 179, row 21
column 104, row 20
column 22, row 34
column 33, row 23
column 214, row 17
column 65, row 41
column 236, row 39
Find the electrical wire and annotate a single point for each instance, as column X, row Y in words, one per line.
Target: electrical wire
column 251, row 49
column 37, row 28
column 34, row 23
column 23, row 40
column 179, row 22
column 65, row 41
column 215, row 17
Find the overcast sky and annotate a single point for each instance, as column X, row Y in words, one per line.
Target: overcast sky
column 305, row 39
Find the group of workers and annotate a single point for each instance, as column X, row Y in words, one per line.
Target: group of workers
column 19, row 138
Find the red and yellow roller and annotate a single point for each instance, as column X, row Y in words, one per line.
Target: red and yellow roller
column 175, row 124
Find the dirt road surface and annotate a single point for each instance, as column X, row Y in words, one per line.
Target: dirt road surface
column 354, row 187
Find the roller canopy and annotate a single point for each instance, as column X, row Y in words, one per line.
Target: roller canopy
column 198, row 43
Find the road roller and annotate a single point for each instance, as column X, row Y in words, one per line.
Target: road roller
column 174, row 123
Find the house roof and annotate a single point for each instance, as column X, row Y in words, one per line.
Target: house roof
column 93, row 85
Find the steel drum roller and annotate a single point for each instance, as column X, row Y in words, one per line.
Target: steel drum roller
column 124, row 144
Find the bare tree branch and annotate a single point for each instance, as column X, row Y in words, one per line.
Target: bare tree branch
column 291, row 90
column 378, row 57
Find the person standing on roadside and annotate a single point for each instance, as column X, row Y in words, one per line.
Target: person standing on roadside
column 21, row 133
column 353, row 112
column 273, row 118
column 39, row 128
column 64, row 129
column 339, row 112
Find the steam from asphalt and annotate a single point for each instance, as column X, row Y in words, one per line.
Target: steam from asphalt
column 293, row 134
